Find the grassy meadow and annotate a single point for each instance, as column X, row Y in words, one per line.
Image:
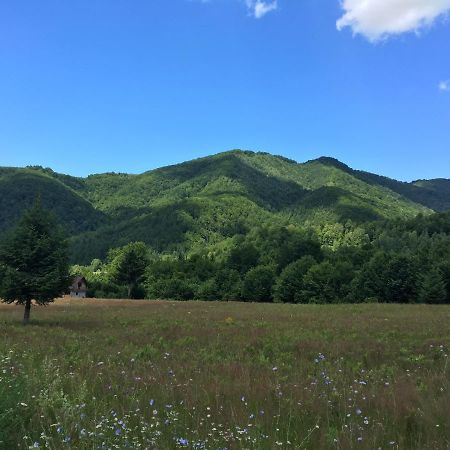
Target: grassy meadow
column 104, row 374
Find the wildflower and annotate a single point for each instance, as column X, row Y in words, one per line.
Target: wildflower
column 183, row 442
column 118, row 431
column 151, row 402
column 36, row 445
column 274, row 369
column 358, row 412
column 360, row 439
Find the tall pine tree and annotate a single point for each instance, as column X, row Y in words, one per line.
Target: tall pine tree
column 33, row 261
column 432, row 287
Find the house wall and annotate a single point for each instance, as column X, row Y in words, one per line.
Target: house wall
column 75, row 294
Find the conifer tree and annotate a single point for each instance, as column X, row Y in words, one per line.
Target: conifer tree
column 33, row 261
column 128, row 265
column 432, row 287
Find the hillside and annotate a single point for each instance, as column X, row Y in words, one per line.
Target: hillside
column 205, row 201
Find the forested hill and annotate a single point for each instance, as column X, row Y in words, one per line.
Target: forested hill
column 204, row 202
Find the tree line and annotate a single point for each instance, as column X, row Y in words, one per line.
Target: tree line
column 395, row 262
column 391, row 261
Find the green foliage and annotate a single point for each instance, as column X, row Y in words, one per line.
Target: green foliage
column 127, row 266
column 243, row 256
column 34, row 260
column 326, row 283
column 390, row 263
column 258, row 283
column 13, row 390
column 432, row 287
column 204, row 202
column 290, row 282
column 210, row 222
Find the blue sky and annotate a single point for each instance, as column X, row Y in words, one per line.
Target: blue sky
column 92, row 86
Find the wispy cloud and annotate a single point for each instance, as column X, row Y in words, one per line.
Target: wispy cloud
column 378, row 19
column 444, row 86
column 259, row 8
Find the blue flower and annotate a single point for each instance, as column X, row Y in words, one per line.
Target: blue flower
column 118, row 431
column 151, row 402
column 183, row 442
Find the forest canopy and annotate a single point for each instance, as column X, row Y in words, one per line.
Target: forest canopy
column 393, row 262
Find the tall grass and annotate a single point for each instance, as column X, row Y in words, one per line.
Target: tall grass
column 166, row 375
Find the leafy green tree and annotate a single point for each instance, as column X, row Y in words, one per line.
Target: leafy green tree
column 128, row 265
column 283, row 245
column 96, row 265
column 389, row 278
column 243, row 257
column 432, row 287
column 229, row 284
column 34, row 261
column 257, row 284
column 400, row 278
column 326, row 283
column 290, row 281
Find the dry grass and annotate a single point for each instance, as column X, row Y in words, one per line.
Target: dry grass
column 224, row 375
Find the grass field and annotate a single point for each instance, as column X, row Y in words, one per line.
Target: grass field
column 103, row 374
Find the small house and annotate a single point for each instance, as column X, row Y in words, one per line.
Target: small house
column 78, row 287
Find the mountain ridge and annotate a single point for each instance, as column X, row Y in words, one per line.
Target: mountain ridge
column 204, row 201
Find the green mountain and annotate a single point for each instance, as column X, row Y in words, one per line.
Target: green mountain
column 204, row 202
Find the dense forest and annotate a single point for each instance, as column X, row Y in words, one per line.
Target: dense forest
column 247, row 226
column 389, row 261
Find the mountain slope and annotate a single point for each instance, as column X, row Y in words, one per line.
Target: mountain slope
column 205, row 201
column 20, row 187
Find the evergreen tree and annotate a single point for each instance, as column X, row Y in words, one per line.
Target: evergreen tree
column 128, row 265
column 432, row 288
column 34, row 261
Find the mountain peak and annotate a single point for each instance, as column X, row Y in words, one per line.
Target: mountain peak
column 330, row 161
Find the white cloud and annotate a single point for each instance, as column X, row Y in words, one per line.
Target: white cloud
column 444, row 86
column 259, row 8
column 377, row 19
